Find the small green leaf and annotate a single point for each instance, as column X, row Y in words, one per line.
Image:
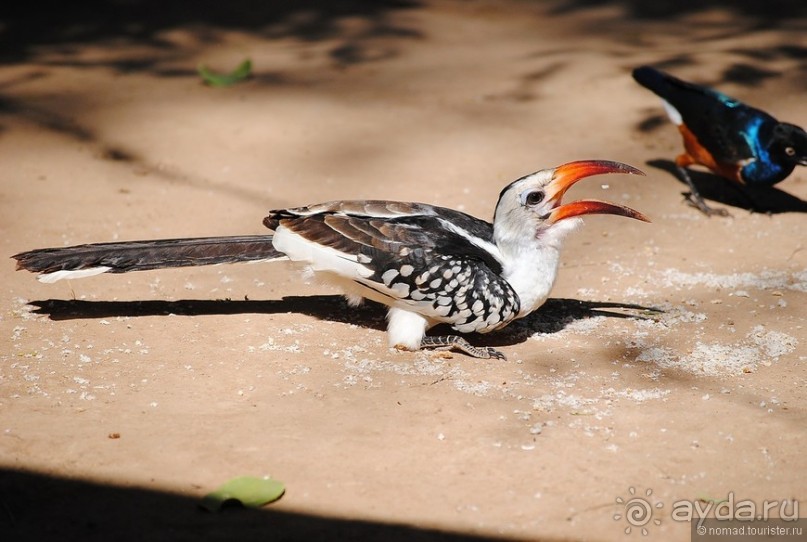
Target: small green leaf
column 214, row 79
column 250, row 491
column 708, row 500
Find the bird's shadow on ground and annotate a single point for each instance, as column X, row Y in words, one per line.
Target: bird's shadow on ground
column 555, row 315
column 552, row 317
column 769, row 199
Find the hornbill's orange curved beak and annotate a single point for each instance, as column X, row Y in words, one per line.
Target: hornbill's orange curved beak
column 568, row 174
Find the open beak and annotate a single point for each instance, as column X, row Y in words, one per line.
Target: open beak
column 568, row 174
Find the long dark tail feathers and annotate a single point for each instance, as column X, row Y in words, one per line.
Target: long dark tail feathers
column 667, row 86
column 87, row 260
column 653, row 79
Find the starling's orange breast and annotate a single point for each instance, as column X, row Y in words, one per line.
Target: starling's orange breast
column 698, row 154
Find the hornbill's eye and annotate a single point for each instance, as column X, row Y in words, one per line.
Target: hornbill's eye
column 534, row 198
column 790, row 151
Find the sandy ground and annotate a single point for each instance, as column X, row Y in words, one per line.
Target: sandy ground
column 210, row 373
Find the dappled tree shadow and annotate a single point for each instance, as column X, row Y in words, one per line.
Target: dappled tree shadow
column 165, row 39
column 737, row 73
column 768, row 13
column 642, row 25
column 27, row 26
column 57, row 36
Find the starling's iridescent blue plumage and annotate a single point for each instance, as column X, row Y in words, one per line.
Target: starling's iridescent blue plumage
column 734, row 140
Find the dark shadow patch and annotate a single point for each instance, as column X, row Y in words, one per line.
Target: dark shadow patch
column 747, row 75
column 36, row 507
column 652, row 123
column 117, row 154
column 794, row 52
column 46, row 119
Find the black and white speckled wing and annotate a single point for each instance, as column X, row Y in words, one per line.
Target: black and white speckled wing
column 440, row 263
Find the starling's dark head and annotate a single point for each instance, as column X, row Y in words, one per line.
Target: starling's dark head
column 790, row 143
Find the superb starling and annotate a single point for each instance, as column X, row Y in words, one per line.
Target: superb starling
column 734, row 140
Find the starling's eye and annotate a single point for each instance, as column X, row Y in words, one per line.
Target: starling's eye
column 790, row 151
column 533, row 198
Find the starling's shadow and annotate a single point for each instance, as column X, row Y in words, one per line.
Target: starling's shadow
column 552, row 317
column 768, row 199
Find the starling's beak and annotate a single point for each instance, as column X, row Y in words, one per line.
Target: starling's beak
column 568, row 174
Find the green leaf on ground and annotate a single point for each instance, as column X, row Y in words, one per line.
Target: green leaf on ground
column 709, row 500
column 243, row 71
column 250, row 491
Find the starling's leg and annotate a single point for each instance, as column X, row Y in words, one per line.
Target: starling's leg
column 694, row 198
column 458, row 343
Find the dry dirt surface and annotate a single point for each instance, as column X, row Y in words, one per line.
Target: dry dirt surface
column 668, row 364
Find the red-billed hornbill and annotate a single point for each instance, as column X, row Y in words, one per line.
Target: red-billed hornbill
column 428, row 264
